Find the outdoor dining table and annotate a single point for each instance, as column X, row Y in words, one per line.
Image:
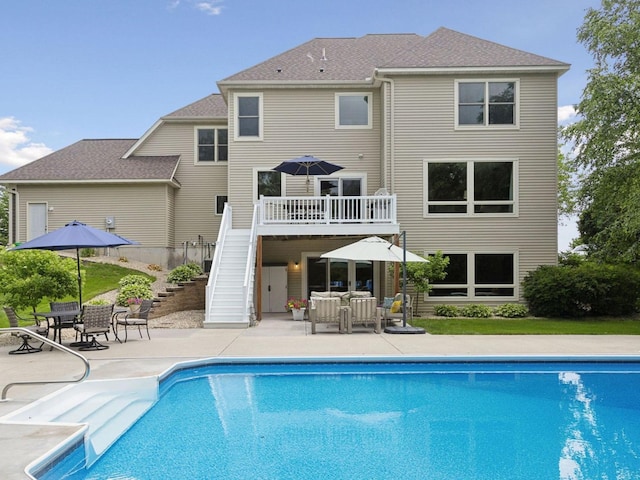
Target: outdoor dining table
column 57, row 321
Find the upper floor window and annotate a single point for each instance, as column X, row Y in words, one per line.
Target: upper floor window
column 248, row 116
column 471, row 187
column 486, row 103
column 212, row 144
column 353, row 110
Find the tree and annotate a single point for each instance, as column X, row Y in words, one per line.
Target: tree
column 4, row 217
column 28, row 276
column 607, row 136
column 421, row 274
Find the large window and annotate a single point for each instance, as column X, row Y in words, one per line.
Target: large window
column 212, row 144
column 484, row 104
column 353, row 110
column 477, row 275
column 268, row 183
column 470, row 187
column 248, row 116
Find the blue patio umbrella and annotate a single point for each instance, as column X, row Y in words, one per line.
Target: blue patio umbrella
column 307, row 165
column 75, row 235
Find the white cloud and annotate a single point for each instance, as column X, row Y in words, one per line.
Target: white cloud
column 211, row 7
column 16, row 149
column 566, row 114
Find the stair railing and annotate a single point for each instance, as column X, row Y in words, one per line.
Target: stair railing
column 56, row 345
column 250, row 268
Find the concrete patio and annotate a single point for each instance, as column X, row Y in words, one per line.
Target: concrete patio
column 275, row 336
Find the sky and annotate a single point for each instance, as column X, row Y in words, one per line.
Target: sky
column 78, row 69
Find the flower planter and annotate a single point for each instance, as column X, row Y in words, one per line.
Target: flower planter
column 298, row 313
column 135, row 308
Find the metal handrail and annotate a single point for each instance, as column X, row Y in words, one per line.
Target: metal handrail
column 87, row 367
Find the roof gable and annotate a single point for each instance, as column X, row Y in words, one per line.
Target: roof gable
column 211, row 106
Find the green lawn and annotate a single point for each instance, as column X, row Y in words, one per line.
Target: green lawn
column 99, row 278
column 528, row 326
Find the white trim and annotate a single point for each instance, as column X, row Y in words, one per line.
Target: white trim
column 486, row 126
column 470, row 202
column 339, row 95
column 196, row 153
column 245, row 138
column 142, row 139
column 466, row 70
column 471, row 284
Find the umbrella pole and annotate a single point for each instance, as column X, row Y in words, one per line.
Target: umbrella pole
column 404, row 328
column 79, row 277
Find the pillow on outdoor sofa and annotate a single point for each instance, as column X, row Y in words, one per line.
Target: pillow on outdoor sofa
column 396, row 307
column 388, row 302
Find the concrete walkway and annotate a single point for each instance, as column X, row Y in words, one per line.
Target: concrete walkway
column 273, row 337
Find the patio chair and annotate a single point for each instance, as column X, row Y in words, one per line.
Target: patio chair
column 127, row 319
column 363, row 311
column 37, row 328
column 325, row 310
column 94, row 320
column 394, row 312
column 64, row 321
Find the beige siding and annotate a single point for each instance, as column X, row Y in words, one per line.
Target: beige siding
column 300, row 122
column 424, row 130
column 136, row 208
column 194, row 203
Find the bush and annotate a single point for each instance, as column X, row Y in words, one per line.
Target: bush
column 184, row 273
column 87, row 252
column 511, row 310
column 447, row 310
column 586, row 289
column 476, row 311
column 133, row 286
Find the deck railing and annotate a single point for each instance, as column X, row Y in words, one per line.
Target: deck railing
column 328, row 210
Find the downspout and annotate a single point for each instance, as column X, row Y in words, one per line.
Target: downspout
column 13, row 216
column 389, row 137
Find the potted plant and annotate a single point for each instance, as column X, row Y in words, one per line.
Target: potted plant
column 134, row 304
column 297, row 306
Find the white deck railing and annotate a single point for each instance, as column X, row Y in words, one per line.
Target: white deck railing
column 327, row 210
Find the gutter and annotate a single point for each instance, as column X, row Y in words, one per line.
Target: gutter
column 389, row 137
column 13, row 207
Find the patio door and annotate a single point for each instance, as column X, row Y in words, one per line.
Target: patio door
column 331, row 274
column 349, row 208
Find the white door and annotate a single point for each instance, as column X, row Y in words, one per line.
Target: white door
column 274, row 289
column 36, row 220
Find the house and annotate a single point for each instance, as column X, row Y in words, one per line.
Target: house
column 447, row 137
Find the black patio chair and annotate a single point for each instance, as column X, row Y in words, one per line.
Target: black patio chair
column 95, row 320
column 139, row 319
column 14, row 321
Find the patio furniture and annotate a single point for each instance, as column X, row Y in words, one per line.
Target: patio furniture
column 64, row 321
column 394, row 312
column 95, row 320
column 325, row 310
column 363, row 311
column 129, row 319
column 37, row 328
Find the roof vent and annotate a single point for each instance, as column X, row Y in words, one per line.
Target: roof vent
column 324, row 55
column 279, row 70
column 322, row 70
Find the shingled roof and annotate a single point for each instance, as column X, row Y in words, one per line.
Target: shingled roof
column 95, row 160
column 211, row 106
column 356, row 59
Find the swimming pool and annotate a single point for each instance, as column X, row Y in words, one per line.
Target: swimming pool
column 534, row 419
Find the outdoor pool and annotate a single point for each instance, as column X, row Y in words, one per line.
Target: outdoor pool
column 392, row 419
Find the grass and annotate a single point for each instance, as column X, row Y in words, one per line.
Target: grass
column 528, row 326
column 99, row 278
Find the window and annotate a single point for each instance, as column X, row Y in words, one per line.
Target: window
column 471, row 187
column 477, row 275
column 248, row 117
column 212, row 144
column 486, row 104
column 353, row 110
column 268, row 183
column 220, row 201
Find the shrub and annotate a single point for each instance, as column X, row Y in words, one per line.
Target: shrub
column 184, row 273
column 97, row 301
column 476, row 311
column 133, row 291
column 134, row 280
column 511, row 310
column 88, row 252
column 588, row 288
column 447, row 310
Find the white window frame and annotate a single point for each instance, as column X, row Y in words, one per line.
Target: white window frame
column 470, row 202
column 471, row 284
column 369, row 124
column 236, row 130
column 196, row 154
column 254, row 188
column 516, row 104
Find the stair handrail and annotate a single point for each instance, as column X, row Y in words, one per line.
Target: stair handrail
column 225, row 225
column 250, row 267
column 58, row 346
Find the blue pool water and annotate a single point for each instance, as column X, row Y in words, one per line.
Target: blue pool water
column 437, row 421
